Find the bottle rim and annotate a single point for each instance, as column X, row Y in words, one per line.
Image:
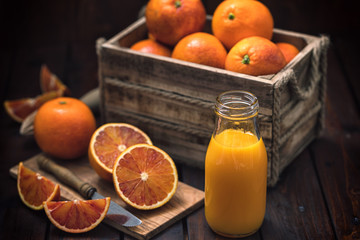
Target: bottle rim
column 237, row 104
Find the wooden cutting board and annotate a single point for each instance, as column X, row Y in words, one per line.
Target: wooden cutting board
column 186, row 199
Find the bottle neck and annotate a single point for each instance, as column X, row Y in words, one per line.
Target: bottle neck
column 236, row 105
column 237, row 110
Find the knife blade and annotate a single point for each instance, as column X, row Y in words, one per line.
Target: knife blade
column 115, row 214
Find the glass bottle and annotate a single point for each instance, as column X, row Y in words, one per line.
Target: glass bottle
column 235, row 167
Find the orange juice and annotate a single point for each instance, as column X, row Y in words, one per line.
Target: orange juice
column 235, row 183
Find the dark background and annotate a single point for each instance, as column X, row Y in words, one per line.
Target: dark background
column 63, row 33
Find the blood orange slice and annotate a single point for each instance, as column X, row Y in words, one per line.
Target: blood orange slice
column 108, row 142
column 145, row 176
column 77, row 216
column 19, row 109
column 34, row 189
column 50, row 82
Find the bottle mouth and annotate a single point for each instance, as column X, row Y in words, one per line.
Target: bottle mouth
column 237, row 104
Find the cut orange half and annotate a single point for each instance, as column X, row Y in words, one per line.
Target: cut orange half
column 108, row 142
column 34, row 189
column 19, row 109
column 145, row 176
column 77, row 216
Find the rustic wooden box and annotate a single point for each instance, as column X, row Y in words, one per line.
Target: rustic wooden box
column 172, row 100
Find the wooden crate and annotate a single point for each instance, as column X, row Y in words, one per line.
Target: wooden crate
column 172, row 100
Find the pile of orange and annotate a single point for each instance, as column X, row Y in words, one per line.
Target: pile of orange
column 178, row 27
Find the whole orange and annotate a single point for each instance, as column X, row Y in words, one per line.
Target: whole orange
column 202, row 48
column 170, row 20
column 255, row 56
column 63, row 127
column 288, row 49
column 234, row 20
column 151, row 46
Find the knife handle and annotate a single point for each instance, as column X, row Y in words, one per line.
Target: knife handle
column 66, row 176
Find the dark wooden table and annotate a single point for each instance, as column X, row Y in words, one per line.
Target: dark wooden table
column 318, row 195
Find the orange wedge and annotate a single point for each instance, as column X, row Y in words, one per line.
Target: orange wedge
column 77, row 216
column 51, row 86
column 108, row 142
column 145, row 176
column 34, row 189
column 50, row 82
column 19, row 109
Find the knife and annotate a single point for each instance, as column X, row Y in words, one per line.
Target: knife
column 115, row 214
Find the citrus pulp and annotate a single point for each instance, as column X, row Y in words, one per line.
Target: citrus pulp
column 35, row 189
column 108, row 142
column 145, row 176
column 77, row 216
